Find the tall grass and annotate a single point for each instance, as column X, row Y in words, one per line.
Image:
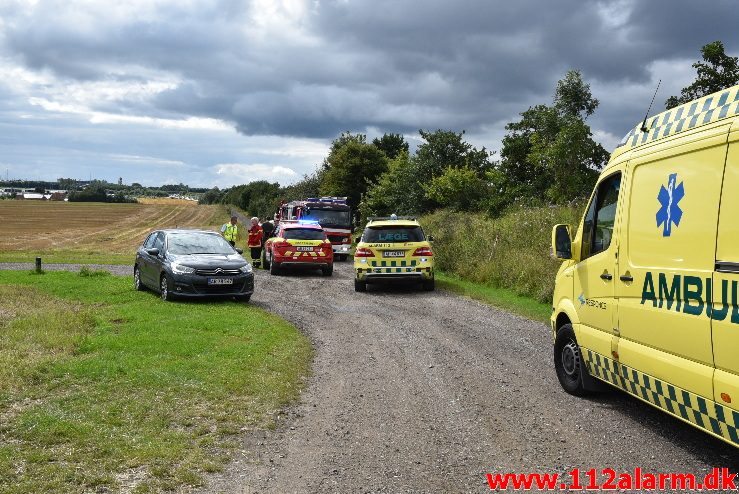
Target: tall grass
column 512, row 251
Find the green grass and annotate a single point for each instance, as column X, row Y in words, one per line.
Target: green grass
column 102, row 386
column 68, row 257
column 511, row 252
column 502, row 298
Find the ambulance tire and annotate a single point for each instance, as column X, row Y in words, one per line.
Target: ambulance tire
column 328, row 270
column 429, row 285
column 568, row 362
column 360, row 286
column 265, row 261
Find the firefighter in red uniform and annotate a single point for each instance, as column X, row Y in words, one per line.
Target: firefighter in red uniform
column 255, row 242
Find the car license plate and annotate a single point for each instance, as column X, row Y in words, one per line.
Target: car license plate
column 393, row 253
column 305, row 249
column 220, row 281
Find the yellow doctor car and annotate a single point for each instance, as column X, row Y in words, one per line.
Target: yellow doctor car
column 646, row 297
column 393, row 249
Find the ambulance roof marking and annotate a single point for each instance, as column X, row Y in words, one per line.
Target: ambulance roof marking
column 705, row 110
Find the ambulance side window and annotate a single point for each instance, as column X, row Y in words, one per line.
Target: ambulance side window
column 601, row 216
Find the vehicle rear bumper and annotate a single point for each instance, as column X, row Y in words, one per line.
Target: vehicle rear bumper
column 391, row 274
column 341, row 248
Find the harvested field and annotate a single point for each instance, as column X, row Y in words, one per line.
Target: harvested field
column 78, row 226
column 165, row 200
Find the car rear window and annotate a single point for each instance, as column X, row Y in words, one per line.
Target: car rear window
column 304, row 234
column 392, row 234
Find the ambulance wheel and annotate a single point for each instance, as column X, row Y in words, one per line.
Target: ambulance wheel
column 568, row 361
column 274, row 268
column 360, row 286
column 429, row 285
column 266, row 260
column 328, row 270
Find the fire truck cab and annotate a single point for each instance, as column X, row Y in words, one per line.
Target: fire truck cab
column 332, row 213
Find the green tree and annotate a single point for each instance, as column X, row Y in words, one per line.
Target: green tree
column 550, row 155
column 717, row 71
column 394, row 191
column 351, row 166
column 459, row 189
column 391, row 144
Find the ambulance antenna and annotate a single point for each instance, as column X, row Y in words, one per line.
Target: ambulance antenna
column 644, row 123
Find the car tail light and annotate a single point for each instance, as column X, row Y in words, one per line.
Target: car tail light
column 364, row 252
column 423, row 251
column 281, row 245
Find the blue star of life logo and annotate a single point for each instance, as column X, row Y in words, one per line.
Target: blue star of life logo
column 670, row 212
column 582, row 299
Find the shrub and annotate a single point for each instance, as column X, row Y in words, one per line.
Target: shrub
column 511, row 251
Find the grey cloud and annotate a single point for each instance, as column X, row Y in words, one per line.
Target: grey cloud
column 394, row 66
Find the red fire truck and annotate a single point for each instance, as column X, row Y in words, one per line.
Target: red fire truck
column 332, row 213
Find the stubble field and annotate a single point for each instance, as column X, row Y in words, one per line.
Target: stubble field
column 91, row 232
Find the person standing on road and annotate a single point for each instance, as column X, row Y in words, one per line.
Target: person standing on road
column 230, row 231
column 255, row 242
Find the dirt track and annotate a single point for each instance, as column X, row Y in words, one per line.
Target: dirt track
column 419, row 392
column 428, row 392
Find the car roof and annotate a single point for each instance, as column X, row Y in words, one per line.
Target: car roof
column 168, row 231
column 401, row 223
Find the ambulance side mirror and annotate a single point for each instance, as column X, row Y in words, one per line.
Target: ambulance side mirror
column 561, row 242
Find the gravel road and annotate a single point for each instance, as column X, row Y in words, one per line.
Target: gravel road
column 428, row 392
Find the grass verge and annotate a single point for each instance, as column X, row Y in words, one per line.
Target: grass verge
column 105, row 387
column 503, row 298
column 67, row 257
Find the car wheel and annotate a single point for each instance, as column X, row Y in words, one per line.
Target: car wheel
column 328, row 271
column 274, row 268
column 360, row 286
column 265, row 259
column 429, row 285
column 164, row 291
column 568, row 361
column 137, row 285
column 244, row 298
column 341, row 257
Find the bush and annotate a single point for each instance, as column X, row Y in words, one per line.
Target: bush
column 512, row 251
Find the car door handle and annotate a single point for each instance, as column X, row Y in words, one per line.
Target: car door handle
column 606, row 276
column 627, row 278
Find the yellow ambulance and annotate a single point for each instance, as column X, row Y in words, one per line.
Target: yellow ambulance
column 646, row 297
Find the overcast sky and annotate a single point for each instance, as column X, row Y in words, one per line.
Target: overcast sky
column 226, row 92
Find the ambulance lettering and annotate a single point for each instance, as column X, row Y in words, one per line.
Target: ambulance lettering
column 686, row 294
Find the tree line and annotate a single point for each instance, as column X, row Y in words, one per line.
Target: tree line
column 548, row 157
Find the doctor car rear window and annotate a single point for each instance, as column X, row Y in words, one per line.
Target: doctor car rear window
column 304, row 234
column 391, row 234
